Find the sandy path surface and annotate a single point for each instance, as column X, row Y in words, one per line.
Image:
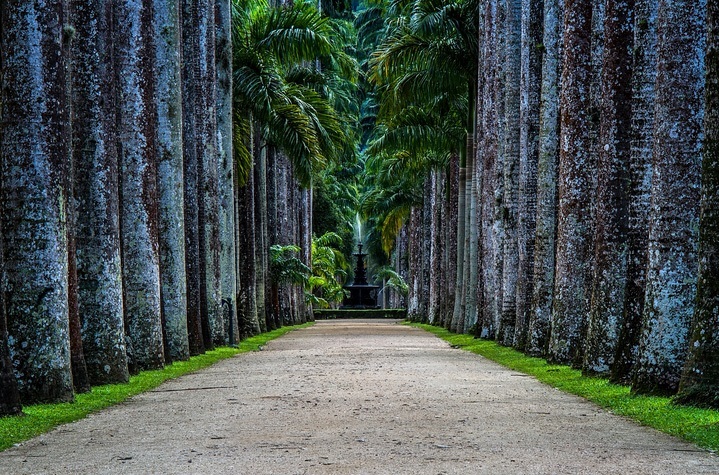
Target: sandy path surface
column 355, row 397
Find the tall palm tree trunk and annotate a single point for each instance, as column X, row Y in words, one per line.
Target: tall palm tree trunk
column 80, row 379
column 574, row 226
column 510, row 172
column 35, row 148
column 612, row 190
column 138, row 184
column 95, row 161
column 530, row 86
column 545, row 234
column 488, row 146
column 170, row 177
column 700, row 378
column 226, row 178
column 672, row 266
column 640, row 178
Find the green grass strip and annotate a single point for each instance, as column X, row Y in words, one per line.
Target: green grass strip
column 700, row 426
column 40, row 418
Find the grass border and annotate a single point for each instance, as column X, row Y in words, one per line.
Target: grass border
column 40, row 418
column 699, row 426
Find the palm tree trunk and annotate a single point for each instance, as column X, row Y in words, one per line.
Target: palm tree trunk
column 489, row 150
column 461, row 225
column 640, row 177
column 451, row 241
column 414, row 250
column 95, row 160
column 512, row 81
column 228, row 245
column 138, row 185
column 170, row 177
column 9, row 395
column 574, row 226
column 80, row 379
column 671, row 274
column 209, row 209
column 700, row 378
column 472, row 267
column 35, row 148
column 496, row 268
column 247, row 285
column 435, row 253
column 545, row 233
column 530, row 86
column 261, row 237
column 612, row 189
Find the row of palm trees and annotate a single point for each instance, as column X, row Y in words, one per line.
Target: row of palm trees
column 545, row 159
column 154, row 153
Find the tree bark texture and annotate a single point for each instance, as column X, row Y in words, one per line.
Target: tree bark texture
column 9, row 395
column 612, row 210
column 228, row 249
column 545, row 233
column 95, row 160
column 572, row 288
column 80, row 379
column 530, row 88
column 170, row 176
column 437, row 198
column 137, row 126
column 640, row 178
column 512, row 73
column 191, row 128
column 35, row 147
column 700, row 379
column 488, row 188
column 673, row 222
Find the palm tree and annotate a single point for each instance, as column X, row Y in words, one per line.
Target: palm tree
column 35, row 146
column 574, row 226
column 329, row 269
column 644, row 70
column 226, row 169
column 170, row 176
column 138, row 187
column 672, row 264
column 96, row 192
column 612, row 190
column 291, row 77
column 287, row 99
column 421, row 66
column 701, row 373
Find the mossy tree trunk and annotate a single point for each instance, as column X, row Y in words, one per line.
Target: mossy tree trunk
column 170, row 177
column 673, row 222
column 510, row 172
column 612, row 198
column 700, row 379
column 96, row 192
column 575, row 178
column 545, row 232
column 137, row 128
column 35, row 147
column 530, row 87
column 640, row 177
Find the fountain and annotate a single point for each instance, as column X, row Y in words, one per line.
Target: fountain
column 362, row 294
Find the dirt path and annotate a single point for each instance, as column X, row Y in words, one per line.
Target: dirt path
column 355, row 397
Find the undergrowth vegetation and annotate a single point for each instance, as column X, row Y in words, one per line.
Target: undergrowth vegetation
column 700, row 426
column 41, row 418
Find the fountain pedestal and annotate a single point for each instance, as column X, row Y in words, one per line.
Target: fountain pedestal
column 362, row 294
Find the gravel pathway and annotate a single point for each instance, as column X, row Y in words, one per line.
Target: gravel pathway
column 355, row 397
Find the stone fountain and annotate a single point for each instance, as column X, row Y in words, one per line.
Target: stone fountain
column 362, row 294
